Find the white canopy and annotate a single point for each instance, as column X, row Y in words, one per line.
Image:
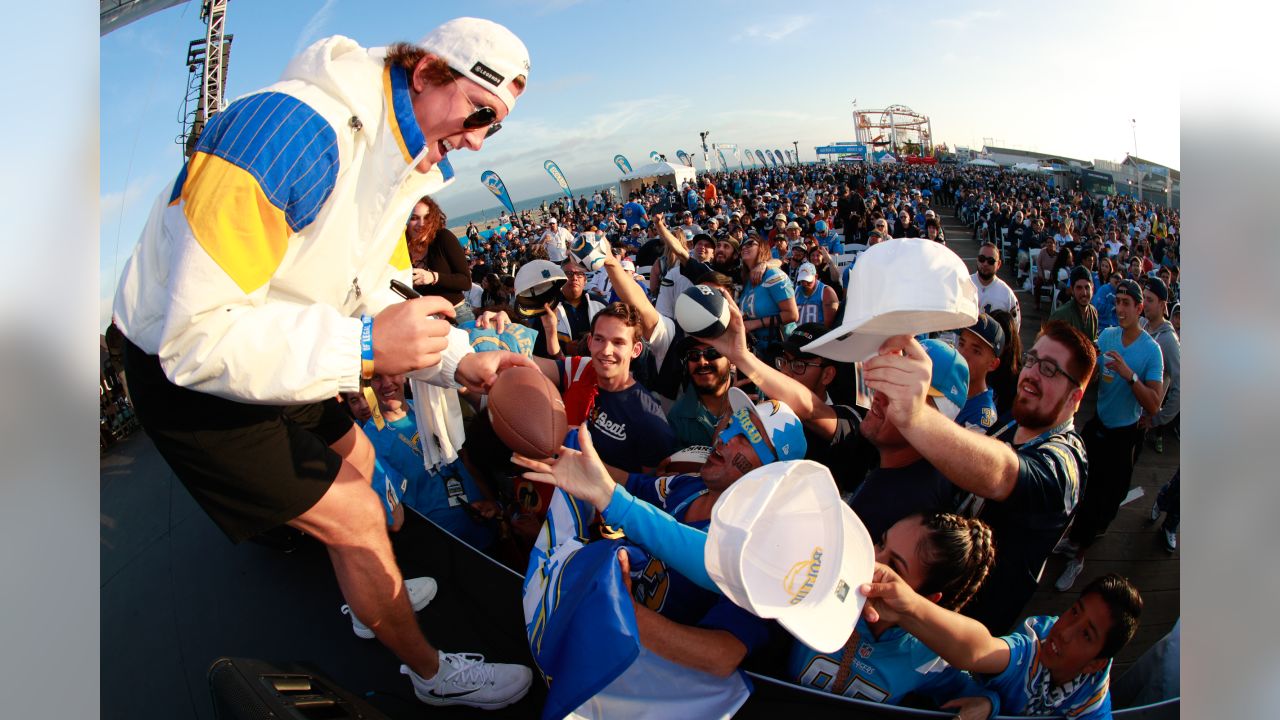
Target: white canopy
column 654, row 173
column 1029, row 167
column 983, row 162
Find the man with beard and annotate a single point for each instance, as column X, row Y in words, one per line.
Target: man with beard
column 1080, row 313
column 1025, row 479
column 705, row 399
column 994, row 293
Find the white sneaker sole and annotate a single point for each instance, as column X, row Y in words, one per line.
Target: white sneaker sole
column 462, row 700
column 492, row 705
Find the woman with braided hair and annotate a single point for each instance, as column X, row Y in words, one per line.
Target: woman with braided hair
column 944, row 558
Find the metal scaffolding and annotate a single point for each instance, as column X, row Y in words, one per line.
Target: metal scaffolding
column 207, row 61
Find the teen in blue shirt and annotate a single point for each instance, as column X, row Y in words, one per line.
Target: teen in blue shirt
column 1048, row 666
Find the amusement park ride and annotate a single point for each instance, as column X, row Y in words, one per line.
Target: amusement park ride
column 897, row 129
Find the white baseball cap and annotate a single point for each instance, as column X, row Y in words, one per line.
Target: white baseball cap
column 783, row 545
column 905, row 287
column 806, row 272
column 483, row 51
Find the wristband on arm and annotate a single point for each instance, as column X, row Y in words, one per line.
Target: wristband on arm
column 366, row 347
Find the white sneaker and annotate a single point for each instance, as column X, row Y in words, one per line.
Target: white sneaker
column 421, row 591
column 466, row 679
column 1069, row 575
column 1170, row 540
column 1066, row 547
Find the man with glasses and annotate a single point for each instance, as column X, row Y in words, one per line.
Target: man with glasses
column 705, row 400
column 994, row 293
column 1024, row 479
column 1130, row 377
column 251, row 300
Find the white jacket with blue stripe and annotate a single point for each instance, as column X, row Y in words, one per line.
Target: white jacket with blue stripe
column 285, row 226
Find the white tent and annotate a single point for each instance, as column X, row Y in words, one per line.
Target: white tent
column 983, row 162
column 1029, row 167
column 659, row 173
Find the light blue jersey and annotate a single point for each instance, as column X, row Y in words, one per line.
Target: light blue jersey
column 1025, row 687
column 441, row 495
column 764, row 300
column 884, row 670
column 810, row 306
column 1117, row 405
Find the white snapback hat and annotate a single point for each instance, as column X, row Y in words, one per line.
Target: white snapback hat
column 783, row 545
column 483, row 51
column 905, row 287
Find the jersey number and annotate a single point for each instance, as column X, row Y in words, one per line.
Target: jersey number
column 822, row 670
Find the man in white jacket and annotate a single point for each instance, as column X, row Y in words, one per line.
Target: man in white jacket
column 260, row 290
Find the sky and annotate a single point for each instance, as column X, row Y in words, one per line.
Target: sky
column 608, row 78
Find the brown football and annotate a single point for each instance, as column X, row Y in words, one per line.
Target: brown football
column 527, row 412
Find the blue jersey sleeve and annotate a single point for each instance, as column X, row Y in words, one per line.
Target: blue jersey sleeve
column 681, row 547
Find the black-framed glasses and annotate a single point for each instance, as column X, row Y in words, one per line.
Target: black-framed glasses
column 986, row 260
column 1045, row 366
column 795, row 365
column 709, row 354
column 481, row 115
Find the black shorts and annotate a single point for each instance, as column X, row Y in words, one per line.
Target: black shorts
column 251, row 467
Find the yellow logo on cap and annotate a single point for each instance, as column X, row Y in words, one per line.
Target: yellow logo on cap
column 805, row 573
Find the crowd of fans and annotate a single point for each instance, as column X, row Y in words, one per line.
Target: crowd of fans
column 965, row 523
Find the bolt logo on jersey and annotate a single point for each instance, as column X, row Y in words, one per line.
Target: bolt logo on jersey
column 800, row 579
column 650, row 587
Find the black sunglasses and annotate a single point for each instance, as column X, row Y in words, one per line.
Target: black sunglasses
column 709, row 354
column 480, row 116
column 986, row 260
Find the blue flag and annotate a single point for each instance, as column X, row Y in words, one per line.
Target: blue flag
column 760, row 157
column 723, row 163
column 554, row 171
column 778, row 154
column 623, row 164
column 684, row 157
column 654, row 156
column 498, row 188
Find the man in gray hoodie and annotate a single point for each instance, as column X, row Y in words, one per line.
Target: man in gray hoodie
column 1155, row 321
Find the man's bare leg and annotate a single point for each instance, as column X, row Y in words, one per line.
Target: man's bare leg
column 349, row 520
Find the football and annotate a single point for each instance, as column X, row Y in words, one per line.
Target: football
column 702, row 312
column 527, row 412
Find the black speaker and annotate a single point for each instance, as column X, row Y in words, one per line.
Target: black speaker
column 248, row 689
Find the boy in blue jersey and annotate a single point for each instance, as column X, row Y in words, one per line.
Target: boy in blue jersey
column 1130, row 377
column 981, row 346
column 1048, row 666
column 446, row 494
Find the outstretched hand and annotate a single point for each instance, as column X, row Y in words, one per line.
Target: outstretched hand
column 889, row 597
column 732, row 343
column 578, row 472
column 902, row 371
column 478, row 371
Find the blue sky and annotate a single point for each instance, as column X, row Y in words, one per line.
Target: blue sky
column 610, row 78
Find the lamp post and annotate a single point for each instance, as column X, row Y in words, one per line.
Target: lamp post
column 1133, row 124
column 796, row 145
column 703, row 135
